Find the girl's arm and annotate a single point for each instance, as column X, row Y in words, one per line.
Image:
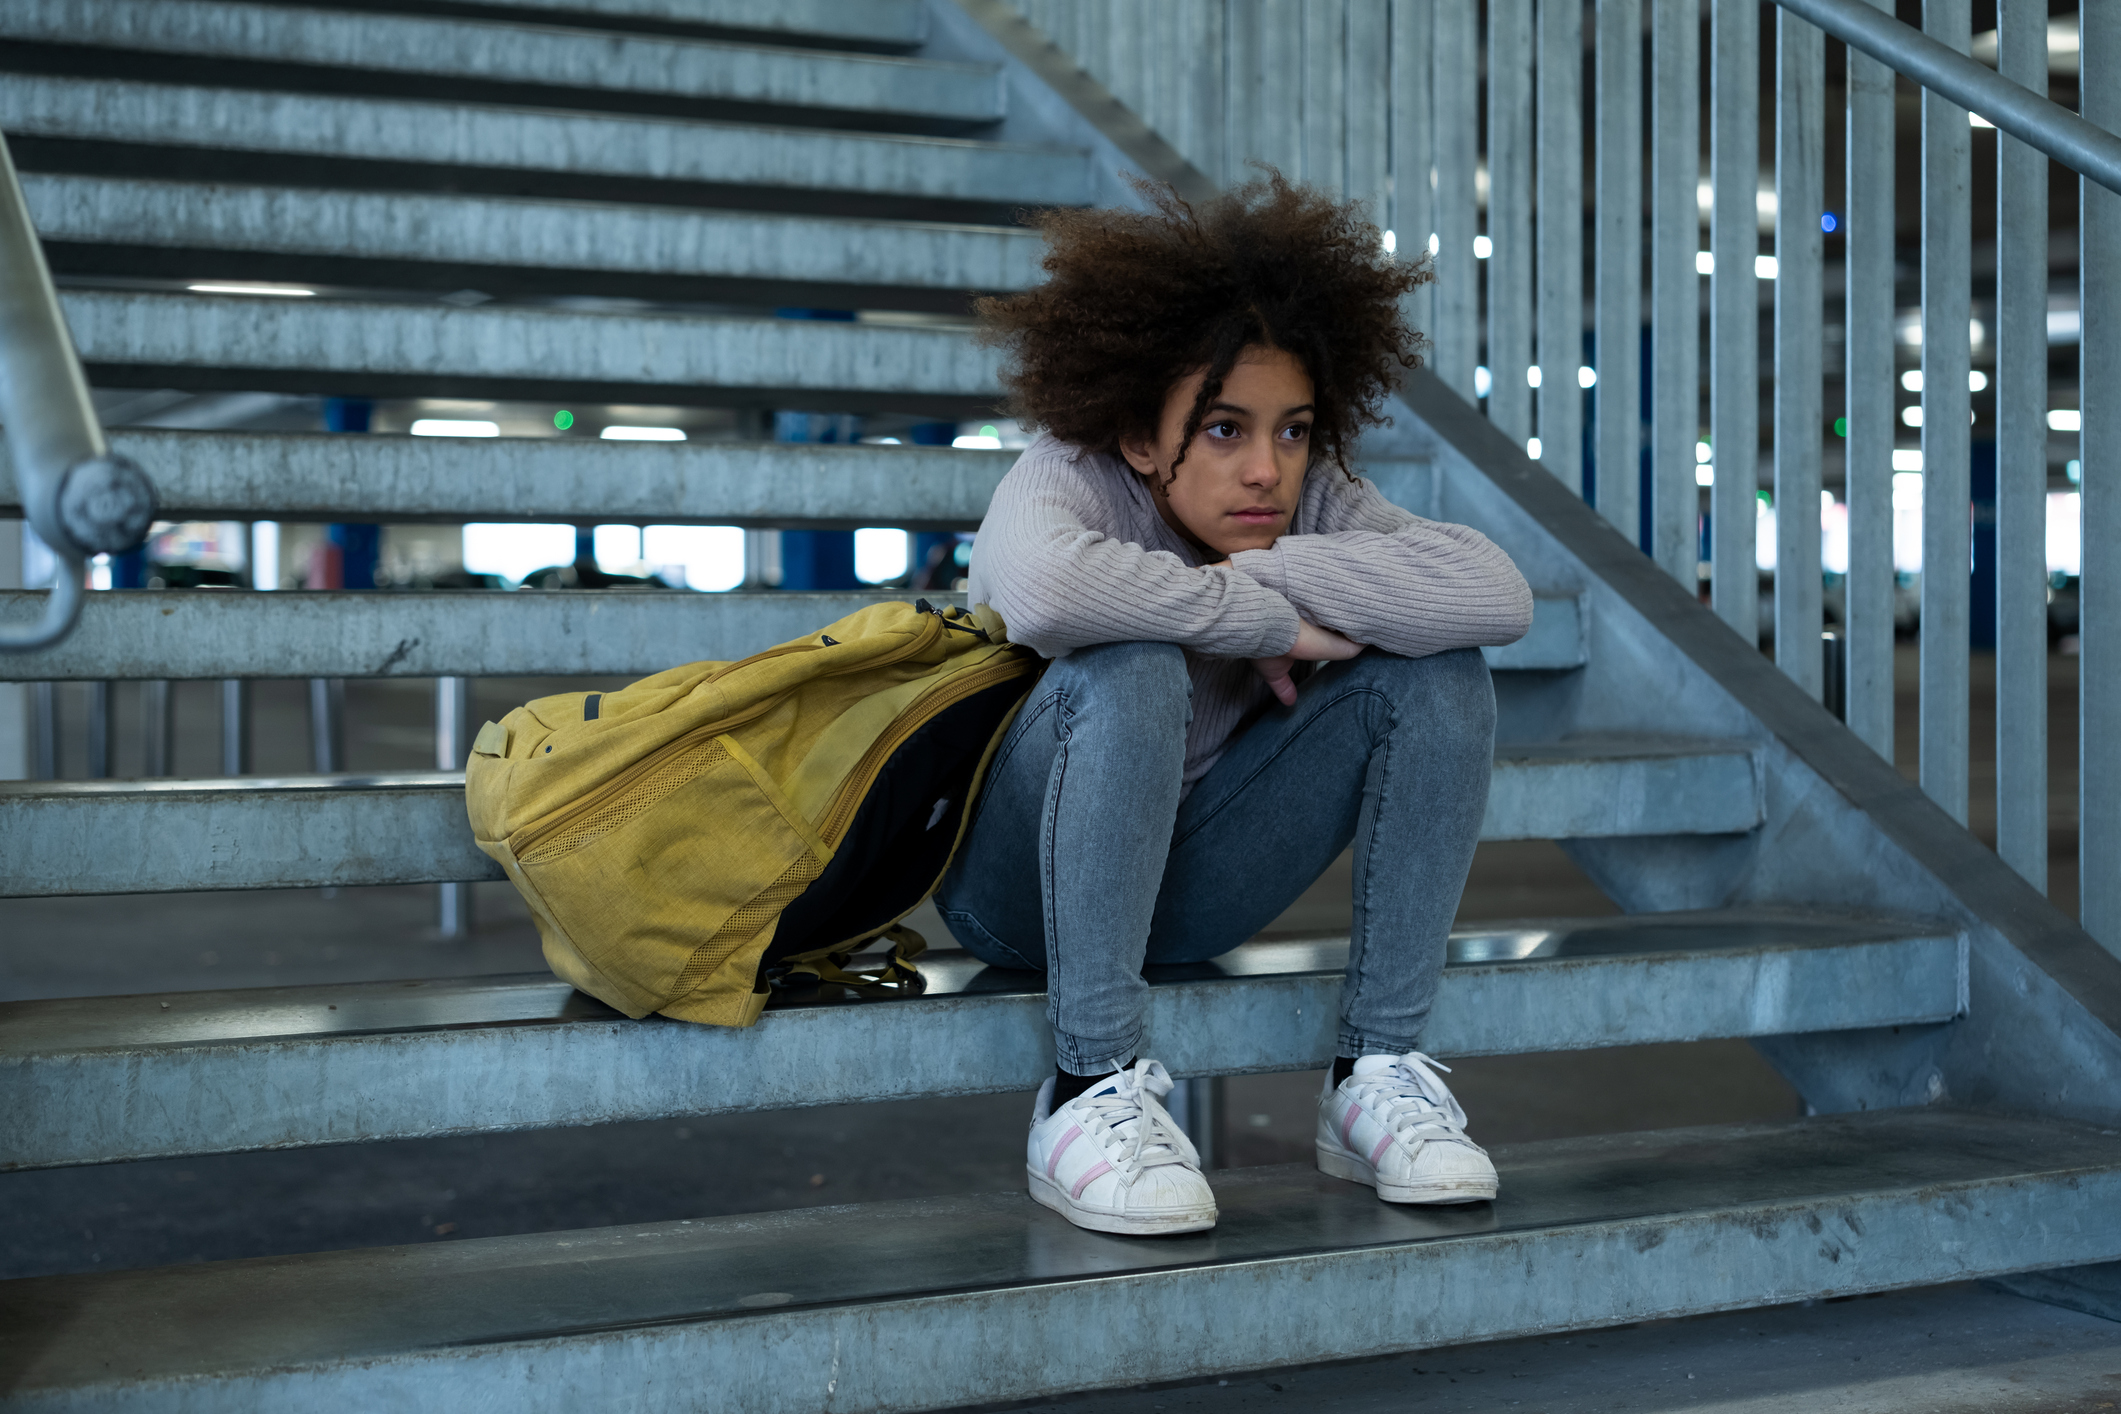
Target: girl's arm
column 1060, row 585
column 1384, row 576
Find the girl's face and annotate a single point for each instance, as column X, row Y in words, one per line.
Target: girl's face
column 1240, row 481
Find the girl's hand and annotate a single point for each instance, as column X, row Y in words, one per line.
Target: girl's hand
column 1313, row 645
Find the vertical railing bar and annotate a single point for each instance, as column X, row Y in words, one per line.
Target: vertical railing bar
column 1867, row 381
column 158, row 728
column 44, row 731
column 1800, row 160
column 2099, row 453
column 1324, row 138
column 235, row 726
column 1454, row 87
column 1618, row 332
column 1734, row 315
column 100, row 713
column 1366, row 59
column 1414, row 148
column 1947, row 538
column 1560, row 225
column 1675, row 288
column 2021, row 461
column 452, row 749
column 1510, row 216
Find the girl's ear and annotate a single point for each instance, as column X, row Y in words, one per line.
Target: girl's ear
column 1140, row 453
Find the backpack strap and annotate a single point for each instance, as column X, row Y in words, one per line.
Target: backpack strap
column 898, row 976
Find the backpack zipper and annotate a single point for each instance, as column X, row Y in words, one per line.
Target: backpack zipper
column 917, row 714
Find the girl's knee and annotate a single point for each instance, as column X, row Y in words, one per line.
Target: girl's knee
column 1443, row 689
column 1140, row 676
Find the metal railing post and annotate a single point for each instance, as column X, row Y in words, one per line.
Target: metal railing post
column 158, row 729
column 1800, row 156
column 1510, row 216
column 1560, row 222
column 452, row 749
column 1618, row 337
column 1675, row 288
column 1867, row 380
column 99, row 730
column 235, row 727
column 2021, row 462
column 1455, row 73
column 1947, row 538
column 1414, row 147
column 1734, row 315
column 2099, row 592
column 327, row 725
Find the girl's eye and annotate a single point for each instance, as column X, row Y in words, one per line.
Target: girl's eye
column 1222, row 431
column 1297, row 431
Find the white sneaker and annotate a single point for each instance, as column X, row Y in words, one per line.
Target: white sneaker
column 1112, row 1159
column 1394, row 1125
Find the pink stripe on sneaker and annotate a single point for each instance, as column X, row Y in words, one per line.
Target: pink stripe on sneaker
column 1096, row 1170
column 1379, row 1152
column 1347, row 1126
column 1061, row 1148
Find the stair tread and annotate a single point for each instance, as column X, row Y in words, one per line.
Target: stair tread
column 507, row 49
column 407, row 827
column 495, row 633
column 325, row 229
column 105, row 1079
column 75, row 1024
column 329, row 126
column 1754, row 1186
column 667, row 357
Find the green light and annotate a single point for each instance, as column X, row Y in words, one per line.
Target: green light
column 990, row 431
column 563, row 419
column 1841, row 427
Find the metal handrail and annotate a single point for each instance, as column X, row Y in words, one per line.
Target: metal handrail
column 81, row 498
column 2035, row 121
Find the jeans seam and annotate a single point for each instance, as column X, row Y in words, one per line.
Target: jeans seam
column 1289, row 742
column 1359, row 950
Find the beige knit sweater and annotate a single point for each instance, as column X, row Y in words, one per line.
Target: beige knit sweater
column 1073, row 553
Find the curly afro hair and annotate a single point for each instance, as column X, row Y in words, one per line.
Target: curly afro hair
column 1138, row 300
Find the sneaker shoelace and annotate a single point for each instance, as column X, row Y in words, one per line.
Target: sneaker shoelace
column 1135, row 1100
column 1412, row 1102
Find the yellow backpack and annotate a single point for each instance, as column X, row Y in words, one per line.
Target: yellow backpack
column 683, row 841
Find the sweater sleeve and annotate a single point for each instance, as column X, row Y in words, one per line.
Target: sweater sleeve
column 1061, row 584
column 1386, row 577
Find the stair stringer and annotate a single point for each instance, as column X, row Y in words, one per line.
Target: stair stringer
column 2040, row 1030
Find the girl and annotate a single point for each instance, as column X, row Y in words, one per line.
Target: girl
column 1257, row 661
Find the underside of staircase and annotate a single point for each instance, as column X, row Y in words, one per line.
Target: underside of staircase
column 634, row 187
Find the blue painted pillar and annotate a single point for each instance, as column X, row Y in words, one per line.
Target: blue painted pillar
column 817, row 559
column 359, row 547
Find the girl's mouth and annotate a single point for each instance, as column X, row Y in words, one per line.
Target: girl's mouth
column 1256, row 515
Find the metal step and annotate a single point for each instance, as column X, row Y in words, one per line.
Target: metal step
column 251, row 832
column 202, row 341
column 314, row 127
column 900, row 24
column 94, row 1080
column 138, row 227
column 940, row 1302
column 488, row 52
column 326, row 477
column 493, row 633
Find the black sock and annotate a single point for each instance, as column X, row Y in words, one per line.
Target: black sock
column 1343, row 1067
column 1066, row 1086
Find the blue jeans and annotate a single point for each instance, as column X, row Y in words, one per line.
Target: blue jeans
column 1082, row 861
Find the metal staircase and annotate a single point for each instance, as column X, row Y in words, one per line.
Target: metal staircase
column 1958, row 1038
